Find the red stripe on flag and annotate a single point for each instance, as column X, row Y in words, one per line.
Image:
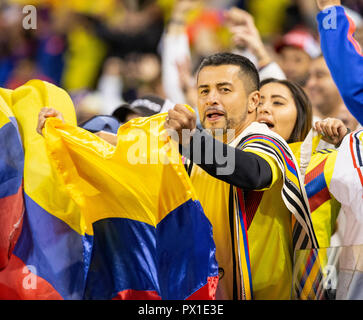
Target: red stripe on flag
column 11, row 213
column 17, row 282
column 243, row 210
column 315, row 172
column 319, row 198
column 207, row 292
column 131, row 294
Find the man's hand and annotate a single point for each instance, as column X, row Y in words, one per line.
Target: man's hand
column 323, row 4
column 332, row 130
column 47, row 113
column 181, row 122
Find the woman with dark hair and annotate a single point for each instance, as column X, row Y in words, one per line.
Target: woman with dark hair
column 284, row 93
column 286, row 110
column 333, row 177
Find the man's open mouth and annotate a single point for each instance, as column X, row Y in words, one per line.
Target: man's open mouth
column 214, row 115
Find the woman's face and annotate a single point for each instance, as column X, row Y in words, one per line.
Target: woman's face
column 277, row 109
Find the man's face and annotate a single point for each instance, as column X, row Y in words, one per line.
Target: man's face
column 295, row 63
column 321, row 88
column 222, row 98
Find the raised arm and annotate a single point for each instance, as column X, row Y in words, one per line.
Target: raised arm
column 175, row 53
column 242, row 169
column 245, row 35
column 245, row 170
column 50, row 112
column 342, row 53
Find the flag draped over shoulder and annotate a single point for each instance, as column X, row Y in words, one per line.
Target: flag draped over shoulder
column 293, row 192
column 257, row 137
column 105, row 222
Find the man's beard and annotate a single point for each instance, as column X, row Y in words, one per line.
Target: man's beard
column 216, row 131
column 229, row 127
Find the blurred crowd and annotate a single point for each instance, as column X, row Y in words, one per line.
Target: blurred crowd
column 114, row 55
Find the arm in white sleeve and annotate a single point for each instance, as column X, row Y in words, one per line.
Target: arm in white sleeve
column 175, row 47
column 272, row 70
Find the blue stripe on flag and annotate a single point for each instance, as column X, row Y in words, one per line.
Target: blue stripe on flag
column 174, row 259
column 316, row 185
column 54, row 249
column 11, row 160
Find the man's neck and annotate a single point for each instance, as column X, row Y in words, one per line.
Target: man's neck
column 233, row 133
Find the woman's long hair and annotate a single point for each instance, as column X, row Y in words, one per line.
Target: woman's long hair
column 304, row 119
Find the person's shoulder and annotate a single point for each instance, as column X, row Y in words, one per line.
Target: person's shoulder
column 260, row 134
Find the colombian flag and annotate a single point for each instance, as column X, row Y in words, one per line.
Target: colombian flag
column 105, row 222
column 11, row 177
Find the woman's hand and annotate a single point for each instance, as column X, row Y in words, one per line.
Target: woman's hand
column 333, row 130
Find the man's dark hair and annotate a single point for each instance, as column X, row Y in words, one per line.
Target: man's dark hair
column 248, row 69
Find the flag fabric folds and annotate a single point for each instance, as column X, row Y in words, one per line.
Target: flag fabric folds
column 11, row 177
column 48, row 260
column 105, row 222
